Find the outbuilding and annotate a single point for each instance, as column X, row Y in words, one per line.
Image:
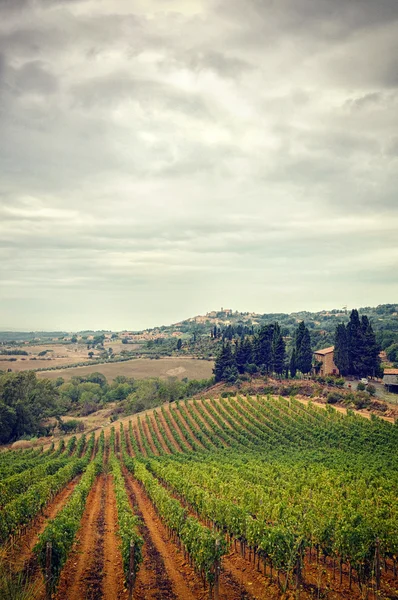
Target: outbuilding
column 324, row 362
column 390, row 380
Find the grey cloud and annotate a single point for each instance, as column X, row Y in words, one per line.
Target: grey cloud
column 158, row 157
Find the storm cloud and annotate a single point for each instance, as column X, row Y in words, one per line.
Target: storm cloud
column 161, row 159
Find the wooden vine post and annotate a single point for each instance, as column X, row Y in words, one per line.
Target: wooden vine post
column 377, row 565
column 131, row 569
column 217, row 573
column 48, row 578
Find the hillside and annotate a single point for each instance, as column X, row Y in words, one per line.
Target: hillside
column 322, row 324
column 239, row 496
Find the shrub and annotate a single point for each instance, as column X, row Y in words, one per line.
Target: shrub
column 361, row 387
column 361, row 400
column 334, row 397
column 381, row 406
column 370, row 388
column 71, row 426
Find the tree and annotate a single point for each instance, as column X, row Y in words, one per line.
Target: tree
column 179, row 344
column 24, row 402
column 355, row 344
column 392, row 353
column 371, row 349
column 278, row 350
column 263, row 348
column 303, row 349
column 341, row 349
column 225, row 360
column 293, row 363
column 243, row 354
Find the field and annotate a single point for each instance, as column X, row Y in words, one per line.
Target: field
column 57, row 355
column 257, row 498
column 141, row 368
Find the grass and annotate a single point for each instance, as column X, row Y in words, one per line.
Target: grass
column 18, row 586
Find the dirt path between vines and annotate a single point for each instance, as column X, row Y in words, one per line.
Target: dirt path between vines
column 113, row 576
column 137, row 436
column 184, row 582
column 188, row 427
column 21, row 554
column 84, row 559
column 168, row 432
column 148, row 435
column 153, row 582
column 187, row 445
column 159, row 436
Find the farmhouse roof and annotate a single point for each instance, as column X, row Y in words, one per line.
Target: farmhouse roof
column 325, row 350
column 390, row 371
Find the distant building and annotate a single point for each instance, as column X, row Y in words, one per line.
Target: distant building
column 325, row 362
column 390, row 380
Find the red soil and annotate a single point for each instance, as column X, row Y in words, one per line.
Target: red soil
column 159, row 436
column 178, row 430
column 168, row 432
column 185, row 583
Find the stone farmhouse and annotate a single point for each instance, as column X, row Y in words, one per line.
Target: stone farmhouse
column 390, row 380
column 325, row 362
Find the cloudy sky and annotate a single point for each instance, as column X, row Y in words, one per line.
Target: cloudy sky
column 163, row 158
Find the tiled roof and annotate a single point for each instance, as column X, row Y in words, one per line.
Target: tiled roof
column 324, row 350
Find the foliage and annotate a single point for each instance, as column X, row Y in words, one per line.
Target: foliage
column 303, row 349
column 61, row 530
column 24, row 402
column 128, row 522
column 356, row 350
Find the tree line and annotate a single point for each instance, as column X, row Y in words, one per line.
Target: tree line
column 356, row 352
column 264, row 352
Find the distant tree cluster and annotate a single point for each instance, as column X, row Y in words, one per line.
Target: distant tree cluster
column 264, row 352
column 356, row 351
column 14, row 352
column 24, row 402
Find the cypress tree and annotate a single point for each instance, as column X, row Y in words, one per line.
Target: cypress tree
column 293, row 364
column 247, row 350
column 371, row 349
column 355, row 338
column 263, row 348
column 341, row 349
column 225, row 360
column 303, row 349
column 278, row 350
column 243, row 354
column 239, row 356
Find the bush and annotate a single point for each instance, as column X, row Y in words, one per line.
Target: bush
column 361, row 387
column 334, row 397
column 370, row 388
column 71, row 426
column 362, row 400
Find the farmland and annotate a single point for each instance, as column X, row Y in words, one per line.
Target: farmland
column 140, row 368
column 243, row 497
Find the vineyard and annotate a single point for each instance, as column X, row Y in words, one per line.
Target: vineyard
column 241, row 497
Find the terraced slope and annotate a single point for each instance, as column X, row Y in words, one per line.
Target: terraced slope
column 261, row 498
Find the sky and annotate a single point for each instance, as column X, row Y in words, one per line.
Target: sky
column 163, row 158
